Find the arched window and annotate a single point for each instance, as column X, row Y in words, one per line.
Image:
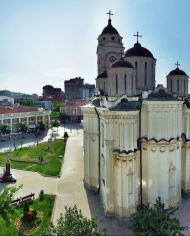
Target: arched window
column 178, row 85
column 145, row 73
column 116, row 84
column 125, row 83
column 130, row 181
column 136, row 69
column 172, row 171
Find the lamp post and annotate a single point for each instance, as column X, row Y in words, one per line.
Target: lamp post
column 14, row 140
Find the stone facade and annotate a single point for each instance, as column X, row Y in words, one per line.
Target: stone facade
column 136, row 135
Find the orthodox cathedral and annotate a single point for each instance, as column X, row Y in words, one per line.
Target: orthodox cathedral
column 136, row 134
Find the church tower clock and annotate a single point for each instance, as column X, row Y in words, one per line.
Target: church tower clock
column 109, row 45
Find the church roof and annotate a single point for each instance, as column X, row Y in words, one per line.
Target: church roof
column 103, row 74
column 177, row 71
column 121, row 63
column 125, row 105
column 109, row 29
column 138, row 51
column 159, row 94
column 95, row 102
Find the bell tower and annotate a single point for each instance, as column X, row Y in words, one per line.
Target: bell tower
column 109, row 45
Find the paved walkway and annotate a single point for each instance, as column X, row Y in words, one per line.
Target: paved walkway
column 69, row 187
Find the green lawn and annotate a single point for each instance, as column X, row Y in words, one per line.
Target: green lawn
column 27, row 158
column 37, row 205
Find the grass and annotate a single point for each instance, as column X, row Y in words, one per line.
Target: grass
column 27, row 158
column 38, row 205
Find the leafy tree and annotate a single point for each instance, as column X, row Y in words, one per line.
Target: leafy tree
column 155, row 221
column 29, row 102
column 55, row 115
column 22, row 126
column 6, row 208
column 41, row 126
column 74, row 223
column 55, row 123
column 57, row 106
column 5, row 129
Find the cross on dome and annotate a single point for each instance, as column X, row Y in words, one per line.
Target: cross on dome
column 109, row 13
column 177, row 64
column 137, row 36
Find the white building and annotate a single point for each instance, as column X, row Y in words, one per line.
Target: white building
column 45, row 104
column 15, row 115
column 6, row 101
column 136, row 135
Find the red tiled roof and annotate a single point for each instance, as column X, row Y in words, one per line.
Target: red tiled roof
column 7, row 110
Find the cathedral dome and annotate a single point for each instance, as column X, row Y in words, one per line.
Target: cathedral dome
column 138, row 51
column 103, row 74
column 109, row 29
column 177, row 71
column 121, row 63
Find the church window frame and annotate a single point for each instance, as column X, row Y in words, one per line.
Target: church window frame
column 184, row 88
column 125, row 83
column 136, row 70
column 172, row 175
column 102, row 135
column 178, row 85
column 145, row 74
column 116, row 84
column 130, row 181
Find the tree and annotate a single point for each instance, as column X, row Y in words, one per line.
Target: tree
column 57, row 106
column 41, row 126
column 22, row 126
column 74, row 223
column 6, row 197
column 5, row 129
column 155, row 221
column 29, row 102
column 55, row 123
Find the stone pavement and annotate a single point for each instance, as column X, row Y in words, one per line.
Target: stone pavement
column 69, row 187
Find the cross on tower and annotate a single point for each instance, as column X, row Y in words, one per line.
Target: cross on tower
column 177, row 64
column 109, row 13
column 137, row 36
column 120, row 54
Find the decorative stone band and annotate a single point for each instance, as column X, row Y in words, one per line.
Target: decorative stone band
column 161, row 145
column 92, row 136
column 125, row 158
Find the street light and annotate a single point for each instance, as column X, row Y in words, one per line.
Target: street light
column 14, row 136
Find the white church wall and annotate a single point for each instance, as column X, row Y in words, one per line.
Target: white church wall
column 91, row 147
column 144, row 82
column 159, row 159
column 164, row 119
column 185, row 154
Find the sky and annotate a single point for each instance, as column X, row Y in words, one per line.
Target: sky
column 49, row 41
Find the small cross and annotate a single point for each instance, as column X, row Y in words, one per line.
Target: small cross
column 177, row 64
column 109, row 13
column 120, row 54
column 137, row 36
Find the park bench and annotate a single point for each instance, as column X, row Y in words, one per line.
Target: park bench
column 22, row 200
